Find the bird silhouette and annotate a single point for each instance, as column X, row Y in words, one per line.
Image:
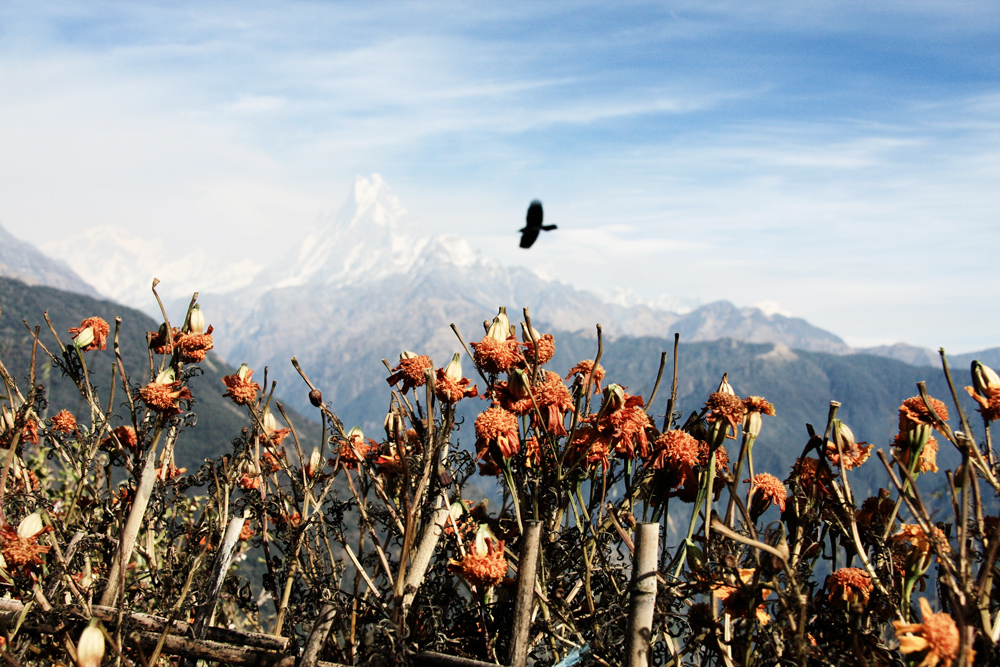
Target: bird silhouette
column 534, row 224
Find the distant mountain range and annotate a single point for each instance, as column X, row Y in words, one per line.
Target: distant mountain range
column 367, row 282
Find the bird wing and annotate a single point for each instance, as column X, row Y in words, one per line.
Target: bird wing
column 528, row 236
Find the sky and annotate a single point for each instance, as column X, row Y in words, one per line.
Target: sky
column 836, row 161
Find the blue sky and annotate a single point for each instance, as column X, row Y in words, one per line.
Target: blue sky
column 838, row 159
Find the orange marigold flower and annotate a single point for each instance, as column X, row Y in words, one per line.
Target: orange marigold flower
column 915, row 535
column 989, row 406
column 589, row 446
column 627, row 427
column 162, row 342
column 29, row 432
column 163, row 398
column 246, row 532
column 677, row 450
column 928, row 455
column 809, row 476
column 741, row 600
column 770, row 489
column 495, row 357
column 854, row 455
column 98, row 335
column 169, row 472
column 554, row 401
column 63, row 422
column 354, row 450
column 937, row 635
column 850, row 584
column 250, row 481
column 759, row 405
column 584, row 369
column 411, row 371
column 913, row 412
column 725, row 406
column 20, row 547
column 721, row 457
column 240, row 387
column 482, row 568
column 389, row 464
column 875, row 511
column 546, row 348
column 194, row 346
column 498, row 426
column 452, row 391
column 126, row 437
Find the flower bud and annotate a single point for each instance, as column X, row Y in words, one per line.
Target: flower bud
column 6, row 419
column 243, row 372
column 752, row 423
column 315, row 462
column 614, row 399
column 842, row 435
column 725, row 387
column 30, row 525
column 406, row 354
column 528, row 332
column 196, row 320
column 166, row 377
column 90, row 648
column 393, row 424
column 985, row 379
column 453, row 371
column 483, row 532
column 269, row 422
column 84, row 338
column 518, row 384
column 499, row 330
column 356, row 432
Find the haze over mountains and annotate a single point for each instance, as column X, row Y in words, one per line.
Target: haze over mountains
column 367, row 282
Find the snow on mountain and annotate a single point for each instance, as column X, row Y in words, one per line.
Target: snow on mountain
column 23, row 261
column 122, row 266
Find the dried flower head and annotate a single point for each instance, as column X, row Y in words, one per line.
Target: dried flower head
column 410, row 371
column 914, row 412
column 355, row 449
column 937, row 635
column 126, row 437
column 676, row 450
column 809, row 476
column 497, row 356
column 854, row 454
column 163, row 397
column 769, row 488
column 915, row 535
column 554, row 401
column 63, row 422
column 850, row 584
column 722, row 405
column 484, row 565
column 240, row 387
column 585, row 369
column 497, row 426
column 91, row 334
column 546, row 346
column 194, row 346
column 741, row 599
column 449, row 390
column 19, row 546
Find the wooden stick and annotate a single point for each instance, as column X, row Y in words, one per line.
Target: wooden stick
column 643, row 598
column 527, row 565
column 318, row 636
column 206, row 612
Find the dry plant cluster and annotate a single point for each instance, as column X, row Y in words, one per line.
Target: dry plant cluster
column 610, row 540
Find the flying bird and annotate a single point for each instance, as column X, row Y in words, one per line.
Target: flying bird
column 534, row 225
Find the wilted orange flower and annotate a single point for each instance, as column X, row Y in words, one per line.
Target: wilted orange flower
column 169, row 472
column 809, row 476
column 554, row 401
column 389, row 464
column 546, row 348
column 989, row 406
column 627, row 427
column 741, row 600
column 29, row 432
column 125, row 435
column 496, row 425
column 915, row 535
column 721, row 457
column 162, row 342
column 269, row 463
column 163, row 397
column 770, row 488
column 937, row 635
column 250, row 481
column 850, row 584
column 100, row 330
column 452, row 391
column 194, row 346
column 725, row 406
column 293, row 519
column 482, row 568
column 758, row 404
column 928, row 455
column 854, row 454
column 20, row 547
column 353, row 450
column 875, row 511
column 63, row 422
column 532, row 452
column 677, row 450
column 242, row 390
column 590, row 446
column 246, row 532
column 585, row 368
column 411, row 371
column 913, row 411
column 495, row 357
